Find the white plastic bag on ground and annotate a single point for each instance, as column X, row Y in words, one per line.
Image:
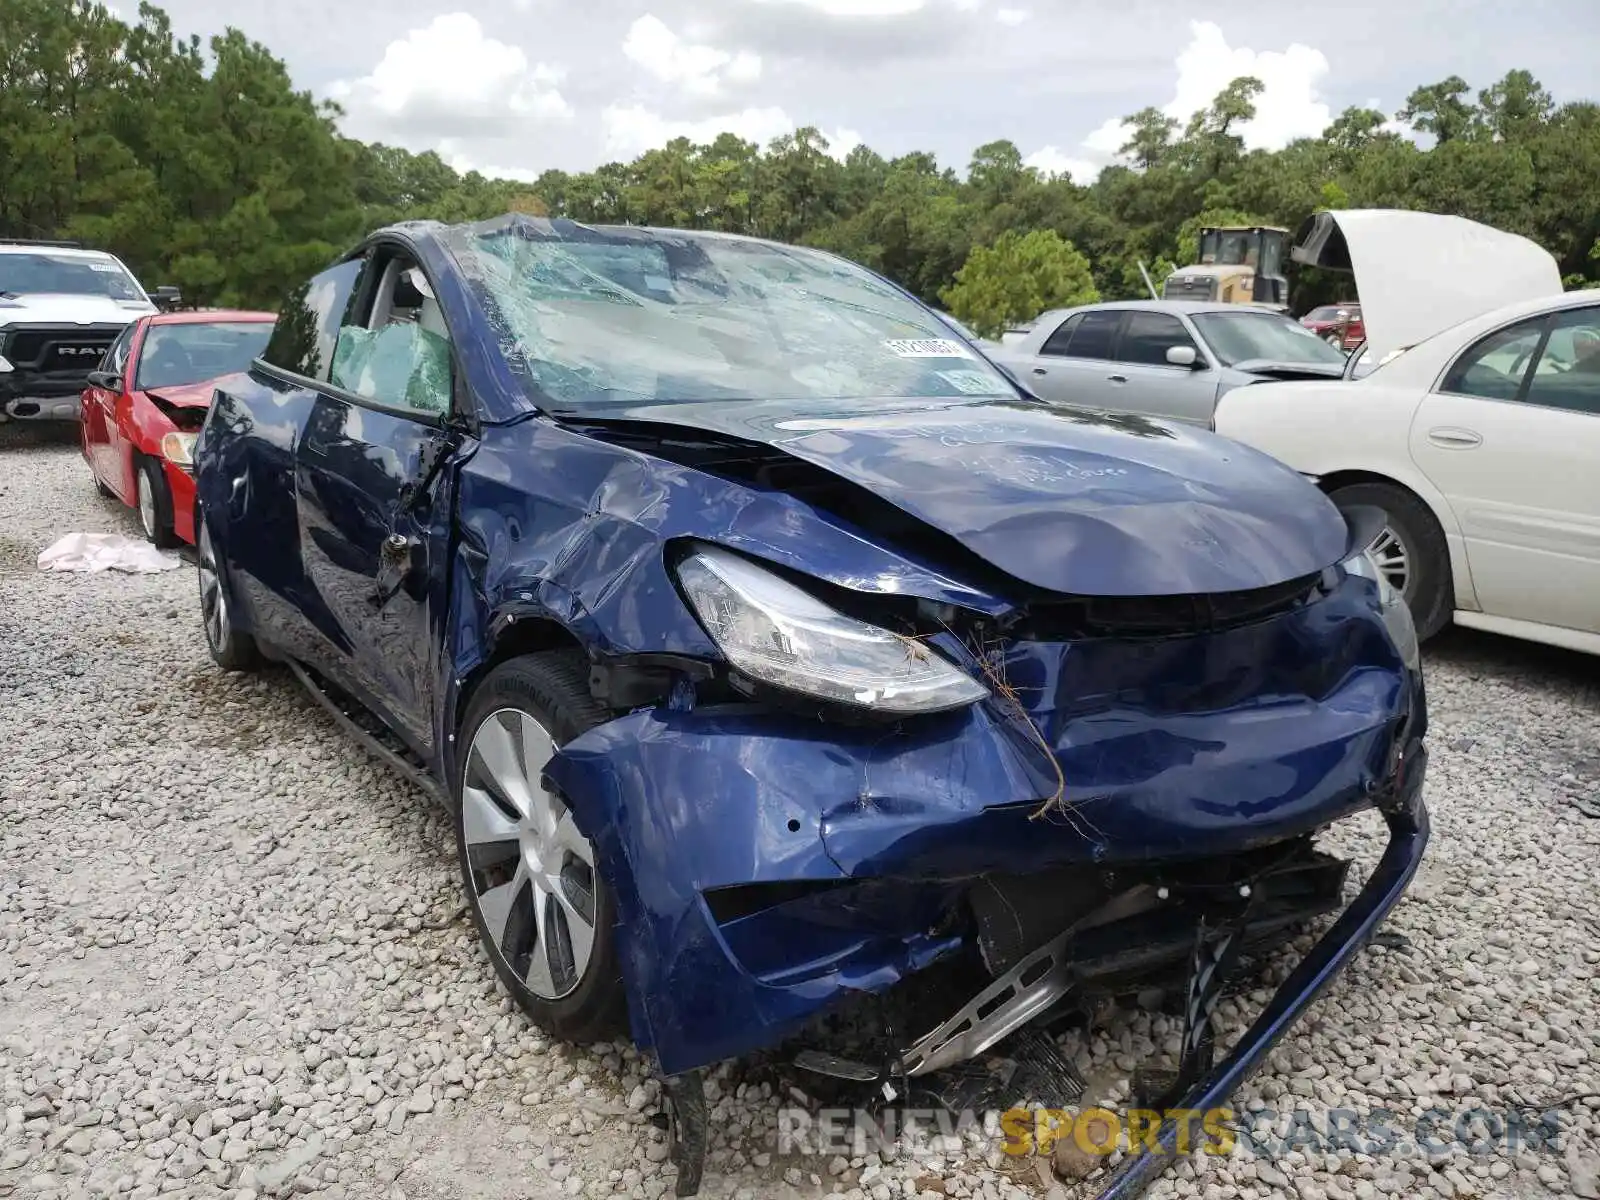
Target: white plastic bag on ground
column 93, row 552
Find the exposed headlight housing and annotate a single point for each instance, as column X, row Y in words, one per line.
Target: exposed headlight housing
column 776, row 633
column 1396, row 612
column 178, row 449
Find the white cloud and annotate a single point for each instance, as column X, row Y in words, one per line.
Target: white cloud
column 698, row 69
column 1394, row 124
column 1287, row 107
column 631, row 129
column 463, row 162
column 447, row 81
column 859, row 8
column 1011, row 16
column 1052, row 161
column 841, row 141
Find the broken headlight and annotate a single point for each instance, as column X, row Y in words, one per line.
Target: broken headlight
column 1396, row 612
column 776, row 633
column 178, row 448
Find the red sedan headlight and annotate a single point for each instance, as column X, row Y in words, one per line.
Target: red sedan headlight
column 178, row 449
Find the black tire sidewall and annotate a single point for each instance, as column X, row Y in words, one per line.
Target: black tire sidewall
column 1432, row 599
column 238, row 651
column 161, row 498
column 542, row 686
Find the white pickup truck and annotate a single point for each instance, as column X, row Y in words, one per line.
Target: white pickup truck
column 61, row 308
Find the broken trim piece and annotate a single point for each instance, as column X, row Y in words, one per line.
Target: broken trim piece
column 407, row 771
column 1007, row 1004
column 1408, row 838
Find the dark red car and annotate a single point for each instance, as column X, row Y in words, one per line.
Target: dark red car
column 144, row 405
column 1337, row 324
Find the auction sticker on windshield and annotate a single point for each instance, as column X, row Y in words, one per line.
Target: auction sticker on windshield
column 926, row 348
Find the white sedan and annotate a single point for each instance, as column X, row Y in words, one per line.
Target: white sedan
column 1481, row 444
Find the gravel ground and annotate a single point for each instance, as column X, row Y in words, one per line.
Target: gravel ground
column 233, row 962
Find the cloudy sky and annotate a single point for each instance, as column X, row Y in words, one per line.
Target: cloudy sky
column 511, row 87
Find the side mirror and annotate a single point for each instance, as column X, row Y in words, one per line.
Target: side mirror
column 166, row 297
column 109, row 380
column 1182, row 356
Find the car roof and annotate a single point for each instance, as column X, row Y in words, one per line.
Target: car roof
column 561, row 227
column 1486, row 322
column 210, row 316
column 53, row 249
column 1538, row 304
column 1186, row 307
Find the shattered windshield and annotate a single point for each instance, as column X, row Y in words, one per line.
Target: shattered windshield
column 67, row 275
column 637, row 316
column 1243, row 337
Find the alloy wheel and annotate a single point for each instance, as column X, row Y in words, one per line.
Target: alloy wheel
column 213, row 604
column 147, row 503
column 532, row 871
column 1390, row 556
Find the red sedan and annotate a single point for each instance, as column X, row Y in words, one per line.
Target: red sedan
column 147, row 401
column 1337, row 324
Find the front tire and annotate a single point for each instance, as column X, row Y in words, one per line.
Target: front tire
column 230, row 649
column 153, row 499
column 540, row 904
column 1411, row 551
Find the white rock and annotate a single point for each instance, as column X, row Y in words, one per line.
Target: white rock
column 421, row 1100
column 248, row 892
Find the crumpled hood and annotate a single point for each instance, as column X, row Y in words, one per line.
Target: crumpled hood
column 186, row 395
column 1284, row 369
column 1068, row 500
column 51, row 309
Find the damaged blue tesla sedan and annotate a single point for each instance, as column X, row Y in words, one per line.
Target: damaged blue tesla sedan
column 773, row 649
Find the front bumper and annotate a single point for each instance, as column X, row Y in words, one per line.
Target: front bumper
column 764, row 871
column 27, row 402
column 49, row 367
column 181, row 486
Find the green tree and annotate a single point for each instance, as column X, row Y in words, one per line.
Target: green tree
column 1439, row 109
column 1150, row 133
column 205, row 166
column 1516, row 108
column 1017, row 278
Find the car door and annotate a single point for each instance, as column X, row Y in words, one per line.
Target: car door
column 253, row 506
column 99, row 406
column 119, row 416
column 374, row 483
column 1511, row 436
column 1073, row 363
column 1148, row 384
